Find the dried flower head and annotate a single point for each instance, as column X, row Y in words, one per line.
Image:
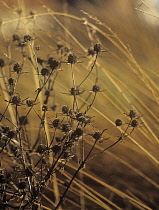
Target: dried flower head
column 78, row 132
column 95, row 88
column 56, row 123
column 132, row 113
column 65, row 109
column 11, row 81
column 30, row 102
column 11, row 134
column 97, row 136
column 17, row 68
column 118, row 122
column 91, row 52
column 44, row 72
column 97, row 48
column 16, row 100
column 54, row 64
column 16, row 37
column 56, row 149
column 50, row 59
column 134, row 123
column 80, row 117
column 41, row 149
column 76, row 91
column 65, row 127
column 27, row 38
column 72, row 59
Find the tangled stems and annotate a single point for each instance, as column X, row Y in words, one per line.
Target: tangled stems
column 70, row 126
column 36, row 97
column 75, row 174
column 122, row 136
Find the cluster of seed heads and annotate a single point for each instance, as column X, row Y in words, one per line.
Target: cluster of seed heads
column 133, row 119
column 21, row 185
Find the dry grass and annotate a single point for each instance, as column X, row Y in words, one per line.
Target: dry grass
column 126, row 176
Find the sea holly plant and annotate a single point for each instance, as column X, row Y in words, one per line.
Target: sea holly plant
column 66, row 103
column 23, row 184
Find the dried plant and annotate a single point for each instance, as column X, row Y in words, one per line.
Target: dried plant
column 63, row 108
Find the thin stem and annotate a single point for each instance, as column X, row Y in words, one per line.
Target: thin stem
column 123, row 135
column 89, row 106
column 73, row 76
column 89, row 71
column 75, row 174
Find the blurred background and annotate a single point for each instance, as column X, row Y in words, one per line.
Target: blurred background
column 126, row 176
